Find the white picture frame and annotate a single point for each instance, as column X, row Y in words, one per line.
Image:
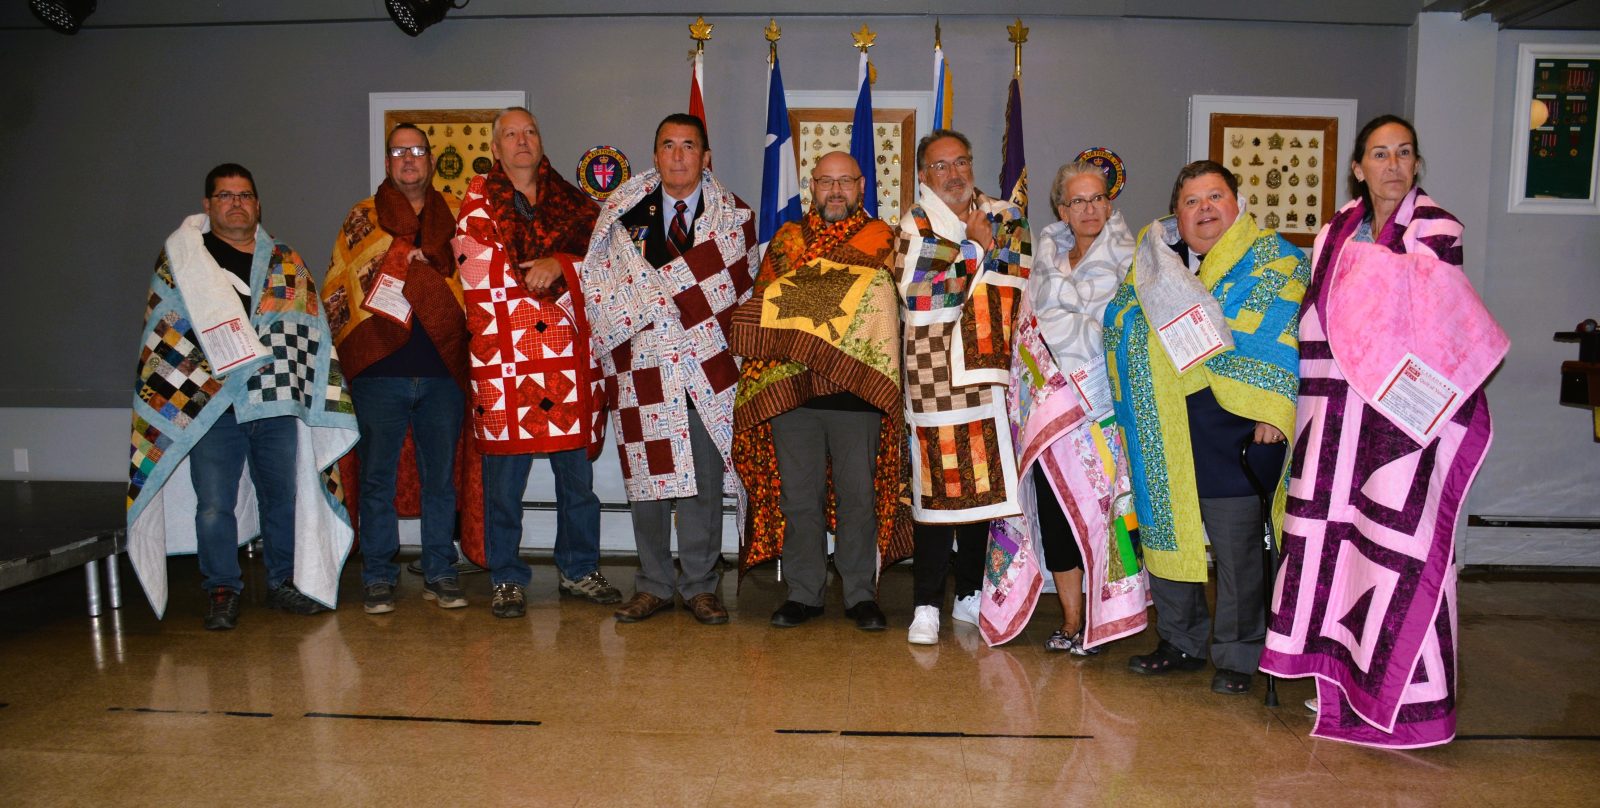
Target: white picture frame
column 1517, row 200
column 378, row 104
column 1201, row 108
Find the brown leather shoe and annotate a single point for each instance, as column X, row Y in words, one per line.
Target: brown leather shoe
column 707, row 609
column 641, row 606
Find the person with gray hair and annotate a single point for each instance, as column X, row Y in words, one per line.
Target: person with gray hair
column 1079, row 264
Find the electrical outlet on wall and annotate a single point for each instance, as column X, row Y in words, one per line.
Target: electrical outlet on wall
column 19, row 460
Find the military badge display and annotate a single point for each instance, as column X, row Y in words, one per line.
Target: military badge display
column 1279, row 158
column 602, row 170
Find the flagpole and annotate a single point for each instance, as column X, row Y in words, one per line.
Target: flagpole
column 942, row 102
column 1014, row 163
column 780, row 178
column 863, row 141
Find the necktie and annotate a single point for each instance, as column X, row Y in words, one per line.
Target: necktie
column 679, row 232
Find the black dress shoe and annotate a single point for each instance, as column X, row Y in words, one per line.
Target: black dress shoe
column 868, row 616
column 792, row 613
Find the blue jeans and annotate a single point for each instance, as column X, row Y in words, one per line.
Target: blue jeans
column 505, row 477
column 215, row 464
column 432, row 407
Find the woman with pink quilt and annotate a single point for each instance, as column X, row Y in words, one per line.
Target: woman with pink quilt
column 1391, row 427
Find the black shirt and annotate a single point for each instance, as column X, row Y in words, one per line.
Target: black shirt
column 232, row 259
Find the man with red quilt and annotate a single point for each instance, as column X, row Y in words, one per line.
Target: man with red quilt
column 395, row 308
column 535, row 385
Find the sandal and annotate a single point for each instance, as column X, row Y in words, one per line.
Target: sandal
column 1231, row 683
column 1164, row 659
column 1059, row 641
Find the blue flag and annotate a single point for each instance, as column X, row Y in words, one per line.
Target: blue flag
column 944, row 92
column 780, row 181
column 1014, row 168
column 863, row 142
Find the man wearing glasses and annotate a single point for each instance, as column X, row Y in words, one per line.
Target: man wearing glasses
column 238, row 367
column 962, row 259
column 821, row 382
column 394, row 303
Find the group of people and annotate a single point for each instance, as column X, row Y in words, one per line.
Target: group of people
column 1087, row 403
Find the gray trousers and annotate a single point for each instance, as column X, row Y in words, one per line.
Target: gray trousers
column 699, row 528
column 1235, row 528
column 805, row 439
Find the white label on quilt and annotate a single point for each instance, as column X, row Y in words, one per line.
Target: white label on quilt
column 1191, row 338
column 1416, row 397
column 388, row 298
column 1094, row 387
column 228, row 345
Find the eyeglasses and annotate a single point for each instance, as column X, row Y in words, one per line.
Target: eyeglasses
column 826, row 184
column 1078, row 204
column 414, row 151
column 944, row 166
column 229, row 197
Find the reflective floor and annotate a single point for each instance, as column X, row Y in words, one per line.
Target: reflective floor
column 567, row 708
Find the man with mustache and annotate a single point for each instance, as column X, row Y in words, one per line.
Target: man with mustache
column 395, row 305
column 820, row 385
column 536, row 387
column 962, row 259
column 669, row 261
column 1202, row 346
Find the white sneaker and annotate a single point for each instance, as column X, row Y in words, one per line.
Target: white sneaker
column 1311, row 704
column 924, row 626
column 966, row 609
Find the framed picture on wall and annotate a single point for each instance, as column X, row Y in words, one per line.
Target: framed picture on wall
column 458, row 127
column 1287, row 154
column 1553, row 137
column 822, row 122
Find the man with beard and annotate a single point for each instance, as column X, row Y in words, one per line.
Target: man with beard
column 962, row 259
column 535, row 386
column 669, row 261
column 820, row 384
column 395, row 305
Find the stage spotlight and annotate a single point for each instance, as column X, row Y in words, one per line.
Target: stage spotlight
column 413, row 16
column 63, row 15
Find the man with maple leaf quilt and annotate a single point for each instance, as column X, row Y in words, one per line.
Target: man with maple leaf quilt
column 819, row 402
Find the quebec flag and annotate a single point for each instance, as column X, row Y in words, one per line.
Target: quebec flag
column 780, row 181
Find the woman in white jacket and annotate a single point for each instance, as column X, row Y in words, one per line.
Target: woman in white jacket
column 1079, row 263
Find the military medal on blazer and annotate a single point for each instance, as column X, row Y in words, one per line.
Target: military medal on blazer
column 602, row 170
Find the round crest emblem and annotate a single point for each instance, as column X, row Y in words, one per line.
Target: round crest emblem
column 601, row 170
column 1107, row 161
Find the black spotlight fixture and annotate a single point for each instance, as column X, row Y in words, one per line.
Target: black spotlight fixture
column 413, row 16
column 65, row 16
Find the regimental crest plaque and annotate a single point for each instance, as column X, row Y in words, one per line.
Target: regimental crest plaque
column 601, row 171
column 1107, row 161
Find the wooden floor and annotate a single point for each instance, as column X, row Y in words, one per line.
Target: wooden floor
column 566, row 708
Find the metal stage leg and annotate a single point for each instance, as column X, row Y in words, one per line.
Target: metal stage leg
column 91, row 573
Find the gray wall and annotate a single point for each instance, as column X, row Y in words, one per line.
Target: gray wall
column 105, row 136
column 1543, row 276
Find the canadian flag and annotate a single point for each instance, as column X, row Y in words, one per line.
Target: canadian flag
column 697, row 80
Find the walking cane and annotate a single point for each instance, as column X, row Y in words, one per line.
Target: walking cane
column 1269, row 553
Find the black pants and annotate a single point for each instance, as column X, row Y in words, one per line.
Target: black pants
column 931, row 559
column 1055, row 532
